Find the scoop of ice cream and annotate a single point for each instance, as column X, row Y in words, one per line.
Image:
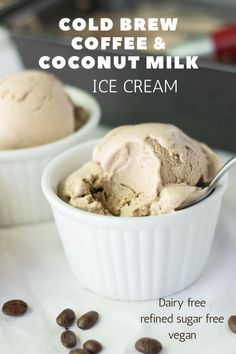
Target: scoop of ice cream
column 141, row 170
column 146, row 157
column 35, row 110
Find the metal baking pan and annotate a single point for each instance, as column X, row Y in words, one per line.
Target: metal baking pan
column 204, row 106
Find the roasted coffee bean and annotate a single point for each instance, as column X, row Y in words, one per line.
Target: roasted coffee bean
column 15, row 308
column 78, row 351
column 88, row 320
column 92, row 346
column 148, row 346
column 68, row 339
column 66, row 318
column 232, row 323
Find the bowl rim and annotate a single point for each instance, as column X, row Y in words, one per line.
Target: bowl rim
column 52, row 147
column 92, row 218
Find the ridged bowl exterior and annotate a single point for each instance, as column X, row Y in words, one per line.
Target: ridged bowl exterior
column 21, row 197
column 132, row 258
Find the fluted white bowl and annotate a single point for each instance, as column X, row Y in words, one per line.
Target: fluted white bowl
column 21, row 197
column 135, row 258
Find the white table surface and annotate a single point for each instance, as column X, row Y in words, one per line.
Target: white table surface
column 33, row 267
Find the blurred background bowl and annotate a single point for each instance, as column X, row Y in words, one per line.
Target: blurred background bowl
column 21, row 197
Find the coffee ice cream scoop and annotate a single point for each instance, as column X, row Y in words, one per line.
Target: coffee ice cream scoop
column 141, row 170
column 146, row 157
column 35, row 110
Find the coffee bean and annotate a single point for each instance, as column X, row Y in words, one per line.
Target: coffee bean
column 88, row 320
column 68, row 339
column 232, row 323
column 148, row 346
column 92, row 346
column 78, row 351
column 15, row 308
column 66, row 318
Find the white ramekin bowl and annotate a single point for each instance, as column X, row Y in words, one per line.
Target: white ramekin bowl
column 21, row 197
column 136, row 258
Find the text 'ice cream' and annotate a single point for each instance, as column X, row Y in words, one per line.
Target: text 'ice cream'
column 141, row 170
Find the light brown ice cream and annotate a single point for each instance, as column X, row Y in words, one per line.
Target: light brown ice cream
column 140, row 170
column 82, row 186
column 35, row 110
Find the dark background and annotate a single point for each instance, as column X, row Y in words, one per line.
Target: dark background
column 205, row 105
